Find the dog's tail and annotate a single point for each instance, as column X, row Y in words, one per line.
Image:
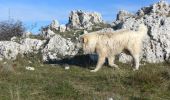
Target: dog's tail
column 142, row 30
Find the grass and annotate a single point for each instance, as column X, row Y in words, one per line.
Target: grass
column 53, row 82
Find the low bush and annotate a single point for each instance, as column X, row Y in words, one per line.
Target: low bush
column 11, row 28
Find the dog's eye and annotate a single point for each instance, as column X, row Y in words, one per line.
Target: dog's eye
column 85, row 40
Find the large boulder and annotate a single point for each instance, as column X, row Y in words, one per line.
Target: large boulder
column 58, row 48
column 29, row 45
column 48, row 31
column 83, row 20
column 156, row 45
column 10, row 49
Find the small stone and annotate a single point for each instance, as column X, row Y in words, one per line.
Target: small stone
column 30, row 68
column 110, row 99
column 30, row 62
column 66, row 67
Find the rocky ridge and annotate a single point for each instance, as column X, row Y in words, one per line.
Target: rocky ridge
column 156, row 46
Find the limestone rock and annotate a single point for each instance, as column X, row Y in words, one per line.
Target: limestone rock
column 83, row 20
column 62, row 28
column 122, row 15
column 9, row 50
column 156, row 46
column 58, row 48
column 26, row 34
column 29, row 45
column 54, row 25
column 47, row 33
column 161, row 8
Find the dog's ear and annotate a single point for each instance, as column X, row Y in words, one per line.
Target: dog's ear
column 85, row 32
column 83, row 39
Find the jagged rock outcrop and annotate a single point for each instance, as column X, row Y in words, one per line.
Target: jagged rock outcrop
column 83, row 20
column 58, row 48
column 156, row 46
column 50, row 30
column 54, row 25
column 47, row 33
column 26, row 34
column 62, row 28
column 122, row 15
column 160, row 8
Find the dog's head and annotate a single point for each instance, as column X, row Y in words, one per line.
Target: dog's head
column 88, row 42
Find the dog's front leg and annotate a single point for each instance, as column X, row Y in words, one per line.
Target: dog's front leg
column 100, row 62
column 136, row 62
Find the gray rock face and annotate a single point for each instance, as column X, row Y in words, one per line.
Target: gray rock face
column 160, row 8
column 83, row 20
column 122, row 15
column 26, row 34
column 156, row 46
column 62, row 28
column 29, row 45
column 58, row 48
column 10, row 49
column 47, row 33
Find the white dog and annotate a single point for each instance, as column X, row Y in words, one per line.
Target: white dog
column 107, row 45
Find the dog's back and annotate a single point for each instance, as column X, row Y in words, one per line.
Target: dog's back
column 122, row 39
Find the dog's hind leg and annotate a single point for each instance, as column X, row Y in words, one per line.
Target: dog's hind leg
column 100, row 62
column 111, row 62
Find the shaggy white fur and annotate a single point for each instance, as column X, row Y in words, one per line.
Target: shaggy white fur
column 107, row 45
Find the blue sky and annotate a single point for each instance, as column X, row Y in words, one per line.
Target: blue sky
column 42, row 12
